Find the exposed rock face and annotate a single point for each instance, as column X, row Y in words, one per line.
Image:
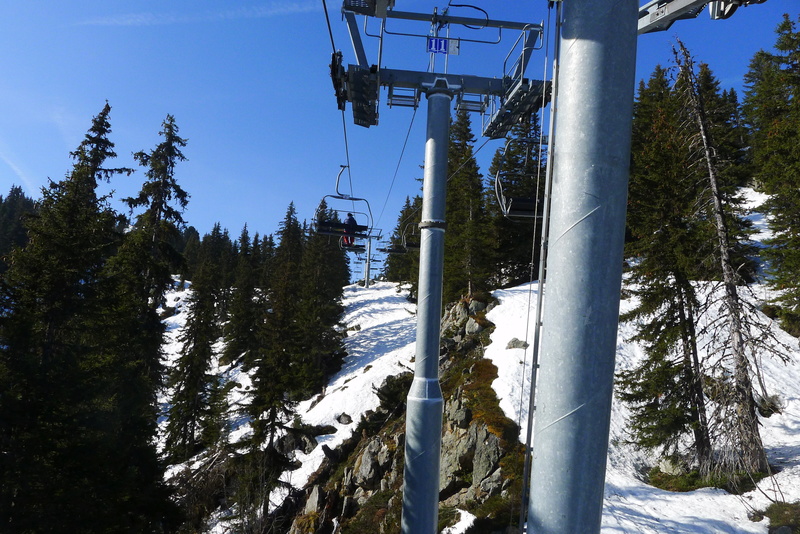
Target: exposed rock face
column 470, row 471
column 476, row 306
column 473, row 327
column 470, row 466
column 296, row 441
column 371, row 465
column 315, row 500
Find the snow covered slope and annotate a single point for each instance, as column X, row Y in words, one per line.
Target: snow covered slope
column 381, row 335
column 631, row 506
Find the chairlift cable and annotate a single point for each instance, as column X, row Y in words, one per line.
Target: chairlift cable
column 344, row 119
column 328, row 21
column 535, row 223
column 452, row 174
column 485, row 14
column 397, row 168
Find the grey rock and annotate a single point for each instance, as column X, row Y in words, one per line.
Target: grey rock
column 460, row 312
column 476, row 306
column 330, row 454
column 458, row 449
column 344, row 419
column 315, row 500
column 361, row 496
column 384, row 456
column 308, row 444
column 348, row 507
column 347, row 479
column 517, row 344
column 295, row 441
column 492, row 484
column 473, row 327
column 487, row 454
column 367, row 473
column 462, row 417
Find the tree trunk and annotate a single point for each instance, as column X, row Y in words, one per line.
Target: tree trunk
column 749, row 454
column 693, row 374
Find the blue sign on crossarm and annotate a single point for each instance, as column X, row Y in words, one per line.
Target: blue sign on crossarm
column 437, row 45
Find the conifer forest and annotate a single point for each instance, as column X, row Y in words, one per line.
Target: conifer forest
column 94, row 421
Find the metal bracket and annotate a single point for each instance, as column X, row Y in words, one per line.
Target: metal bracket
column 658, row 15
column 442, row 225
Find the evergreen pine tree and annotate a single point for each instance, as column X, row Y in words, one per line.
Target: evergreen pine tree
column 190, row 380
column 161, row 221
column 324, row 272
column 404, row 268
column 685, row 223
column 272, row 368
column 63, row 469
column 273, row 365
column 466, row 256
column 266, row 259
column 217, row 254
column 772, row 111
column 13, row 209
column 215, row 423
column 190, row 252
column 246, row 309
column 739, row 442
column 664, row 247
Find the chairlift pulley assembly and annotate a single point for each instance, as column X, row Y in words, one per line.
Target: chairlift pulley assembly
column 659, row 15
column 508, row 99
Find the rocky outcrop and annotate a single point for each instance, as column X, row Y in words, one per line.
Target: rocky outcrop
column 470, row 469
column 367, row 489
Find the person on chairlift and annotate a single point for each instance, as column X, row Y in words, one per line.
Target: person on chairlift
column 350, row 228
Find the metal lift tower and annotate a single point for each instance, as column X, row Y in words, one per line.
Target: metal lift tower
column 359, row 84
column 590, row 173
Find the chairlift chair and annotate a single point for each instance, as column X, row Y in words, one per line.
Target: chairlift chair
column 324, row 224
column 390, row 248
column 356, row 248
column 515, row 207
column 410, row 241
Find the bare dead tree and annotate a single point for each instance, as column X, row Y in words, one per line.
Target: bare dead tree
column 744, row 450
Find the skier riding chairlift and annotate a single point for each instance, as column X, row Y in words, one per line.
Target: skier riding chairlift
column 350, row 228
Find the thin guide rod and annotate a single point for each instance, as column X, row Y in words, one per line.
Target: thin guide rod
column 424, row 408
column 584, row 266
column 367, row 262
column 537, row 332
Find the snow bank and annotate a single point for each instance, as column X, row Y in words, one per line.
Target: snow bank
column 631, row 506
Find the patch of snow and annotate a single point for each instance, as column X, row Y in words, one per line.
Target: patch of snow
column 380, row 343
column 465, row 521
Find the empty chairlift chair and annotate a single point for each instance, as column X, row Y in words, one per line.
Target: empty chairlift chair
column 517, row 206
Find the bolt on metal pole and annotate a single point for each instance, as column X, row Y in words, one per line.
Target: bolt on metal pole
column 423, row 439
column 584, row 271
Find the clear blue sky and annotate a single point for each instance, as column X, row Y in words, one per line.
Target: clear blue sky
column 248, row 83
